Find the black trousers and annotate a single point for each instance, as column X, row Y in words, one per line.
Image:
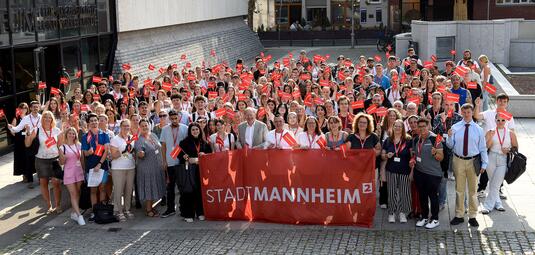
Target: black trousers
column 445, row 163
column 171, row 191
column 483, row 181
column 428, row 186
column 191, row 202
column 29, row 170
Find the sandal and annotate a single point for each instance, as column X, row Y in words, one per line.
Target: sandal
column 152, row 213
column 156, row 213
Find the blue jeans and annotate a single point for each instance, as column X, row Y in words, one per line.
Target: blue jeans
column 485, row 101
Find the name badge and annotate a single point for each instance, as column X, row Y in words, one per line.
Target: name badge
column 156, row 152
column 445, row 135
column 397, row 159
column 418, row 159
column 78, row 163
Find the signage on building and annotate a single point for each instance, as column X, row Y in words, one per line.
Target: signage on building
column 50, row 18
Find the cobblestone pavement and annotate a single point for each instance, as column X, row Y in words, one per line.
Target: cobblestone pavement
column 75, row 240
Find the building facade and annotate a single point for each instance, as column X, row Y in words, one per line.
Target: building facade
column 39, row 39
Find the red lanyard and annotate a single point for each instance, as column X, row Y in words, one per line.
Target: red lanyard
column 362, row 141
column 77, row 152
column 36, row 123
column 400, row 148
column 198, row 148
column 280, row 139
column 311, row 141
column 220, row 142
column 335, row 138
column 499, row 139
column 420, row 144
column 175, row 135
column 47, row 135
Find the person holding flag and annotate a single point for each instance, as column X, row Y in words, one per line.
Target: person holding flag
column 20, row 155
column 222, row 140
column 170, row 139
column 280, row 138
column 336, row 137
column 46, row 159
column 95, row 145
column 123, row 170
column 311, row 137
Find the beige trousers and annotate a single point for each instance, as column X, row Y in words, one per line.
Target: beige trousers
column 123, row 184
column 465, row 174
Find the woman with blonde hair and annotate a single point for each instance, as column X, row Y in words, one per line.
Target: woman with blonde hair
column 46, row 159
column 73, row 173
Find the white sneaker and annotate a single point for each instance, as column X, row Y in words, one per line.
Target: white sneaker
column 422, row 222
column 485, row 211
column 432, row 224
column 188, row 220
column 74, row 216
column 201, row 218
column 402, row 218
column 383, row 206
column 392, row 218
column 481, row 194
column 81, row 220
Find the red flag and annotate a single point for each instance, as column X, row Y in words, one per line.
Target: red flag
column 96, row 97
column 220, row 112
column 230, row 113
column 183, row 57
column 304, row 77
column 505, row 114
column 151, row 67
column 450, row 113
column 78, row 74
column 377, row 58
column 3, row 114
column 126, row 67
column 54, row 91
column 63, row 80
column 161, row 70
column 242, row 97
column 325, row 83
column 414, row 99
column 175, row 152
column 99, row 150
column 461, row 71
column 453, row 52
column 287, row 96
column 490, row 88
column 438, row 140
column 41, row 85
column 288, row 138
column 147, row 82
column 191, row 77
column 318, row 100
column 212, row 52
column 371, row 109
column 261, row 112
column 321, row 142
column 211, row 84
column 428, row 65
column 176, row 80
column 84, row 108
column 381, row 111
column 135, row 137
column 451, row 97
column 357, row 105
column 441, row 89
column 96, row 79
column 51, row 141
column 286, row 62
column 167, row 86
column 471, row 85
column 212, row 95
column 296, row 94
column 434, row 58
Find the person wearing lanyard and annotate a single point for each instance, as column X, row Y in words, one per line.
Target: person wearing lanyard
column 221, row 140
column 46, row 159
column 335, row 137
column 95, row 146
column 363, row 136
column 467, row 141
column 275, row 139
column 193, row 146
column 73, row 173
column 499, row 142
column 427, row 173
column 170, row 138
column 309, row 138
column 122, row 170
column 396, row 173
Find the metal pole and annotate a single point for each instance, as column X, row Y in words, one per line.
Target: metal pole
column 352, row 24
column 279, row 21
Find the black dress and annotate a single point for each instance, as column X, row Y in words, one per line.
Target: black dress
column 21, row 157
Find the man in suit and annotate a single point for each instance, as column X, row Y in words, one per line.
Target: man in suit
column 252, row 133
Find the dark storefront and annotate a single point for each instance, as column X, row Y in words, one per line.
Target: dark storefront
column 40, row 37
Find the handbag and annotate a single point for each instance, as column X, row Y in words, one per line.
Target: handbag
column 56, row 168
column 186, row 178
column 516, row 166
column 104, row 213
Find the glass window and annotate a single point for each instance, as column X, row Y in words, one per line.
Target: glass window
column 363, row 15
column 90, row 58
column 105, row 48
column 283, row 17
column 6, row 73
column 22, row 21
column 24, row 69
column 69, row 21
column 444, row 47
column 70, row 59
column 4, row 24
column 88, row 17
column 46, row 20
column 379, row 15
column 103, row 16
column 8, row 104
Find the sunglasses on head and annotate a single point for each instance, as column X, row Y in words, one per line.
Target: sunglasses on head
column 500, row 120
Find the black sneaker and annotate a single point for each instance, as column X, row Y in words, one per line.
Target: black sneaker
column 163, row 202
column 91, row 217
column 473, row 222
column 502, row 196
column 167, row 213
column 456, row 221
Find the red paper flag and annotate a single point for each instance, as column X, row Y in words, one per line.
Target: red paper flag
column 135, row 137
column 3, row 114
column 377, row 58
column 78, row 74
column 288, row 138
column 96, row 79
column 151, row 67
column 304, row 77
column 261, row 112
column 42, row 85
column 54, row 91
column 242, row 97
column 220, row 112
column 451, row 97
column 84, row 108
column 161, row 70
column 381, row 111
column 96, row 97
column 230, row 113
column 357, row 105
column 321, row 142
column 212, row 95
column 490, row 88
column 147, row 82
column 175, row 152
column 471, row 85
column 453, row 52
column 441, row 89
column 183, row 57
column 414, row 99
column 126, row 67
column 461, row 71
column 51, row 141
column 434, row 58
column 325, row 83
column 63, row 80
column 296, row 94
column 99, row 150
column 438, row 140
column 371, row 109
column 191, row 77
column 428, row 65
column 287, row 96
column 176, row 80
column 167, row 86
column 505, row 114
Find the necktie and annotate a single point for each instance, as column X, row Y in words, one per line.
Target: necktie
column 465, row 143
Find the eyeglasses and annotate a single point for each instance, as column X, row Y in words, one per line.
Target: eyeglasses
column 500, row 120
column 162, row 116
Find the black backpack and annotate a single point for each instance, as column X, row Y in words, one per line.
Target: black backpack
column 104, row 213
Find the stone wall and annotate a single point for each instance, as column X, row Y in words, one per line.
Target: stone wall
column 230, row 38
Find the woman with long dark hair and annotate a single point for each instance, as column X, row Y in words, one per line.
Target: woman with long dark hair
column 193, row 146
column 20, row 167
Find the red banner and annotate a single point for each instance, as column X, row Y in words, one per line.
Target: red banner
column 286, row 186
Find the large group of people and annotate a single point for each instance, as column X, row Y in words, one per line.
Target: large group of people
column 426, row 123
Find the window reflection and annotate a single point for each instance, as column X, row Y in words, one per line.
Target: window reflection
column 24, row 69
column 6, row 74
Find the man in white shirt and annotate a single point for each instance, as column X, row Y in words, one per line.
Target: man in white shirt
column 489, row 116
column 33, row 120
column 275, row 138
